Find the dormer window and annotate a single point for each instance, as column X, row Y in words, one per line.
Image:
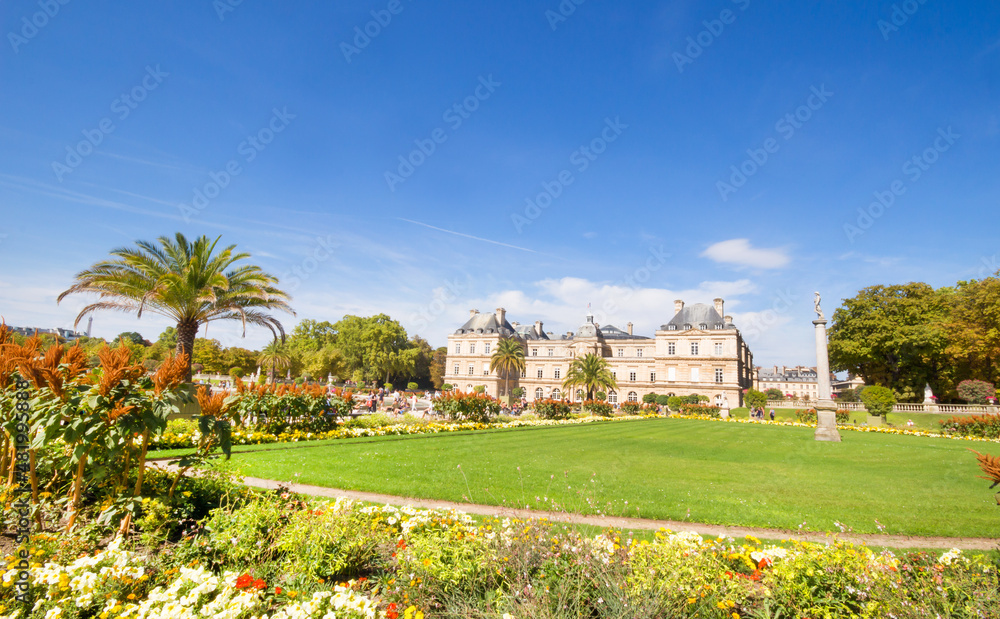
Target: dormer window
column 671, row 327
column 719, row 325
column 703, row 327
column 687, row 327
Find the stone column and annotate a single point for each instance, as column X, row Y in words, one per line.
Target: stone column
column 826, row 408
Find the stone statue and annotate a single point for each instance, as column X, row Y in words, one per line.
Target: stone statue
column 928, row 394
column 819, row 310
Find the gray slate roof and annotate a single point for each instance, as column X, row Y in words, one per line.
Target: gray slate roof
column 611, row 332
column 486, row 323
column 695, row 315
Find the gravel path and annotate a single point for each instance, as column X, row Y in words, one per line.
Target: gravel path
column 711, row 530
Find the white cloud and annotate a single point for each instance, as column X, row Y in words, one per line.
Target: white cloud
column 741, row 252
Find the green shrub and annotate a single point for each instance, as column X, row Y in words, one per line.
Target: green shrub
column 980, row 426
column 631, row 408
column 600, row 395
column 446, row 387
column 975, row 391
column 810, row 416
column 649, row 398
column 755, row 399
column 878, row 400
column 663, row 400
column 699, row 409
column 598, row 408
column 675, row 402
column 412, row 386
column 477, row 407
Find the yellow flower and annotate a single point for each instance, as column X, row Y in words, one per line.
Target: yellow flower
column 692, row 600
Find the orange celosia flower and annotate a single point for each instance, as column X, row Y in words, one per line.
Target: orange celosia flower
column 211, row 405
column 170, row 374
column 120, row 411
column 117, row 367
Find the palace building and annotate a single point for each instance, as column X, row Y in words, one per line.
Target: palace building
column 699, row 351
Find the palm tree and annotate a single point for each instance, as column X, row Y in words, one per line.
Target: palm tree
column 185, row 281
column 507, row 358
column 275, row 355
column 590, row 372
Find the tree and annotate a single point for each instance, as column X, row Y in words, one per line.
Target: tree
column 507, row 358
column 185, row 281
column 210, row 355
column 168, row 338
column 893, row 336
column 590, row 372
column 373, row 346
column 275, row 357
column 878, row 400
column 437, row 369
column 755, row 399
column 133, row 337
column 241, row 358
column 774, row 394
column 325, row 362
column 649, row 398
column 974, row 330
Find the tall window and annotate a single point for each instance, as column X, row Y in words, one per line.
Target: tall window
column 631, row 376
column 719, row 375
column 694, row 348
column 652, row 377
column 671, row 348
column 556, row 394
column 671, row 374
column 718, row 349
column 534, row 352
column 695, row 375
column 486, row 369
column 638, row 352
column 458, row 348
column 614, row 376
column 472, row 349
column 539, row 372
column 633, row 396
column 456, row 370
column 539, row 394
column 487, row 350
column 621, row 352
column 613, row 397
column 556, row 373
column 472, row 369
column 552, row 352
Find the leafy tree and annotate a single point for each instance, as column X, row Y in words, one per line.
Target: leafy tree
column 674, row 402
column 649, row 398
column 241, row 358
column 373, row 346
column 133, row 337
column 210, row 355
column 850, row 395
column 774, row 394
column 507, row 359
column 878, row 400
column 325, row 362
column 236, row 372
column 168, row 338
column 974, row 330
column 590, row 372
column 755, row 399
column 663, row 400
column 976, row 391
column 517, row 392
column 893, row 335
column 437, row 369
column 185, row 281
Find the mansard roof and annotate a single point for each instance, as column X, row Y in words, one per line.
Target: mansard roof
column 486, row 323
column 695, row 315
column 611, row 332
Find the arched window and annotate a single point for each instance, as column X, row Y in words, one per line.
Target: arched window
column 633, row 396
column 579, row 394
column 539, row 394
column 556, row 394
column 613, row 398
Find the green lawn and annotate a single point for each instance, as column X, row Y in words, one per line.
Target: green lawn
column 921, row 421
column 702, row 471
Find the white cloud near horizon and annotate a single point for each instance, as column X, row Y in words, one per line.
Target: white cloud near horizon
column 740, row 252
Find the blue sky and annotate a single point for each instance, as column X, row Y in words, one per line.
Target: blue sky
column 532, row 155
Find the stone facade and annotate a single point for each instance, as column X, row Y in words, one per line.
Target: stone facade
column 699, row 351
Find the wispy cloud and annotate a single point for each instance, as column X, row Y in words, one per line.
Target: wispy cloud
column 468, row 236
column 741, row 253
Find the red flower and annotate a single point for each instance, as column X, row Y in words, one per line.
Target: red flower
column 391, row 612
column 277, row 590
column 245, row 580
column 362, row 579
column 765, row 562
column 259, row 584
column 401, row 544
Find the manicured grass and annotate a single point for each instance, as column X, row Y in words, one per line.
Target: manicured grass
column 929, row 422
column 702, row 471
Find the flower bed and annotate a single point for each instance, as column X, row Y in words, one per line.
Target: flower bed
column 280, row 557
column 981, row 426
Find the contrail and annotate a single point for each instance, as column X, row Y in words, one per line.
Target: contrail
column 468, row 236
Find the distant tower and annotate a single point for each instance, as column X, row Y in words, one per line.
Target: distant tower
column 90, row 324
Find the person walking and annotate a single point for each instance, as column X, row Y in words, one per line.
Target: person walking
column 772, row 414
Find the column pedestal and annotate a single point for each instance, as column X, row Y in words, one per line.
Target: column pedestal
column 826, row 408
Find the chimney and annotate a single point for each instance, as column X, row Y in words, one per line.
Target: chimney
column 678, row 306
column 473, row 312
column 729, row 320
column 720, row 306
column 515, row 325
column 501, row 314
column 538, row 328
column 628, row 328
column 569, row 335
